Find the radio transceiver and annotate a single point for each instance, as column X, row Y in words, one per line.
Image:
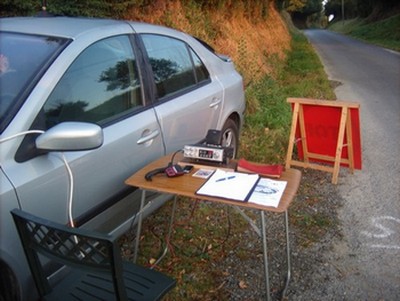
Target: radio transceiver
column 209, row 150
column 206, row 152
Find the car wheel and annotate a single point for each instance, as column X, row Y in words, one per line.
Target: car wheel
column 230, row 135
column 8, row 285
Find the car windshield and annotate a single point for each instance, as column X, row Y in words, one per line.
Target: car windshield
column 23, row 58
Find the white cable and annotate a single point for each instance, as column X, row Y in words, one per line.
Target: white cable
column 70, row 191
column 21, row 134
column 69, row 171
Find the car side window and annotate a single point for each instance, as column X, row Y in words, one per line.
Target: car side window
column 100, row 86
column 201, row 70
column 175, row 65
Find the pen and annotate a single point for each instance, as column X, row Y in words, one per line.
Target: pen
column 223, row 179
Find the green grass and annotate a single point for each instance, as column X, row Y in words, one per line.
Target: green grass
column 203, row 234
column 385, row 33
column 268, row 118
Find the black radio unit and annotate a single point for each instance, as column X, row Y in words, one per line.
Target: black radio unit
column 210, row 149
column 207, row 152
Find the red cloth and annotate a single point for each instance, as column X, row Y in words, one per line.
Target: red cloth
column 262, row 169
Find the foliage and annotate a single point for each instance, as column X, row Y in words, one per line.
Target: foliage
column 373, row 9
column 303, row 10
column 86, row 8
column 312, row 7
column 117, row 8
column 294, row 5
column 384, row 33
column 306, row 7
column 250, row 7
column 10, row 8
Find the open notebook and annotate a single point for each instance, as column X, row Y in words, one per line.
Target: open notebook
column 229, row 185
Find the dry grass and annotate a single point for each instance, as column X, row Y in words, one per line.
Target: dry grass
column 252, row 42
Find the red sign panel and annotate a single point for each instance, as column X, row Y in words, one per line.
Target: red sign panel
column 322, row 125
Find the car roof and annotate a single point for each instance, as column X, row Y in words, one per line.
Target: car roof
column 54, row 26
column 72, row 27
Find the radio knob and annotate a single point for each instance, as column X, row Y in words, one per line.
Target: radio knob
column 188, row 151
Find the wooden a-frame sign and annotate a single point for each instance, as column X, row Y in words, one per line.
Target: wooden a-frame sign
column 327, row 135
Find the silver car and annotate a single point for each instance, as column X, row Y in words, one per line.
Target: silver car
column 88, row 102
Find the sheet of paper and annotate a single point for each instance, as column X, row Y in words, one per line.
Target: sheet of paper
column 229, row 185
column 203, row 173
column 268, row 192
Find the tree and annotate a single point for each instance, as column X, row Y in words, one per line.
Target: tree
column 293, row 5
column 370, row 9
column 9, row 8
column 301, row 10
column 85, row 8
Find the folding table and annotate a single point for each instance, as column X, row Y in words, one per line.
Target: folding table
column 187, row 185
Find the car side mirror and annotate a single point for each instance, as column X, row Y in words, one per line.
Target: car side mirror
column 71, row 136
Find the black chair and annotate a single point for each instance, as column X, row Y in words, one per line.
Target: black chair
column 97, row 271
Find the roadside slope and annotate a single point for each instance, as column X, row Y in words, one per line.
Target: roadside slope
column 254, row 41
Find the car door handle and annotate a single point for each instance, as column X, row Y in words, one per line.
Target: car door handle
column 148, row 137
column 215, row 102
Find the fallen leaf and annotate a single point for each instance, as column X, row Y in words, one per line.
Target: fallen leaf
column 242, row 284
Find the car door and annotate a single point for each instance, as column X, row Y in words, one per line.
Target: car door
column 103, row 86
column 187, row 101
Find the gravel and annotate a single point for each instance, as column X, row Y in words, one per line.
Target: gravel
column 312, row 277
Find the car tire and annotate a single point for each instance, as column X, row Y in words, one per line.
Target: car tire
column 230, row 136
column 8, row 285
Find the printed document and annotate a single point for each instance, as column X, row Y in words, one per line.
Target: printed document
column 268, row 192
column 229, row 185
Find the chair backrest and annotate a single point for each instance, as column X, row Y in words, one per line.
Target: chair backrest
column 73, row 247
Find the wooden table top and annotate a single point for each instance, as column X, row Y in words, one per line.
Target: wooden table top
column 187, row 185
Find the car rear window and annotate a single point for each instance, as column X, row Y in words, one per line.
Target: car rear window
column 176, row 67
column 23, row 58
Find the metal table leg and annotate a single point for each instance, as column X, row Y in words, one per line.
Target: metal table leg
column 249, row 220
column 139, row 225
column 289, row 268
column 139, row 228
column 171, row 222
column 264, row 240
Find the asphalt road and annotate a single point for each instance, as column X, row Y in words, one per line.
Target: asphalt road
column 368, row 257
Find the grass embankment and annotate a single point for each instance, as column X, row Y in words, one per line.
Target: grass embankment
column 384, row 33
column 204, row 235
column 265, row 134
